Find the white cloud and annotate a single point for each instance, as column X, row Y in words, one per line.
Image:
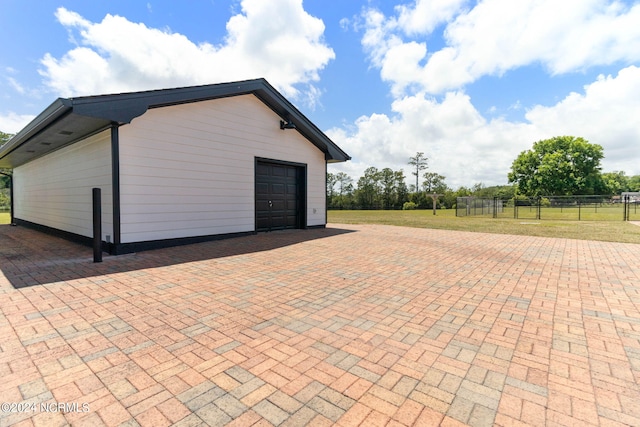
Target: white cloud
column 15, row 85
column 7, row 75
column 467, row 148
column 491, row 38
column 459, row 142
column 277, row 40
column 498, row 35
column 606, row 114
column 424, row 16
column 13, row 123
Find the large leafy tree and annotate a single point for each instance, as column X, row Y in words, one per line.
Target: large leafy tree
column 634, row 183
column 616, row 182
column 559, row 166
column 434, row 183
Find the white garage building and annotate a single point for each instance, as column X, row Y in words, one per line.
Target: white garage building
column 174, row 166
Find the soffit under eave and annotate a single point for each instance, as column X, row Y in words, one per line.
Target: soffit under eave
column 66, row 130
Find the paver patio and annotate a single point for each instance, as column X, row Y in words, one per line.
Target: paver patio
column 350, row 325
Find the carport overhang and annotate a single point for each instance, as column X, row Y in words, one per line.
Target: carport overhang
column 68, row 120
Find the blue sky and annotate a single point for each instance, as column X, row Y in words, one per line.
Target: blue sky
column 469, row 83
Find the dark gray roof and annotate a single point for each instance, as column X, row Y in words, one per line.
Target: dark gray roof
column 68, row 120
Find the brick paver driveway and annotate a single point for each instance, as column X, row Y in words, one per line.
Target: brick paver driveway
column 351, row 325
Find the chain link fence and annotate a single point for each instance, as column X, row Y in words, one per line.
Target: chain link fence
column 577, row 208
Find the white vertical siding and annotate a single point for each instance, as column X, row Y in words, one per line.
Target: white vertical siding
column 188, row 170
column 55, row 190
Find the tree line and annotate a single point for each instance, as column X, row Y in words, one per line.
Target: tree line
column 388, row 189
column 559, row 166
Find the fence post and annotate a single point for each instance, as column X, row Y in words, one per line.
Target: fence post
column 579, row 210
column 625, row 208
column 97, row 225
column 539, row 207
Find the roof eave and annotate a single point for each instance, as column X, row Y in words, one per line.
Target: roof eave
column 53, row 112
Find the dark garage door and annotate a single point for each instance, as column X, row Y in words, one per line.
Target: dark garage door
column 279, row 196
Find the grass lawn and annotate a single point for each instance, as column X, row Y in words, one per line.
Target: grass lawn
column 609, row 231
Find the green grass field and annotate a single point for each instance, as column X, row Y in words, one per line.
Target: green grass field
column 608, row 231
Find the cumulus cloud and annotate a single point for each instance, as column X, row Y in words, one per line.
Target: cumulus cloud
column 13, row 123
column 606, row 114
column 277, row 40
column 424, row 16
column 467, row 148
column 496, row 36
column 433, row 114
column 459, row 142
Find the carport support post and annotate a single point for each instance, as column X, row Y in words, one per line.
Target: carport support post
column 97, row 226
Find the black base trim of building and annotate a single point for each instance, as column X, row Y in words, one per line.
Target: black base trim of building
column 128, row 248
column 67, row 235
column 315, row 227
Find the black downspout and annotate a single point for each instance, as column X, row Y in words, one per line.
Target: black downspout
column 115, row 186
column 13, row 222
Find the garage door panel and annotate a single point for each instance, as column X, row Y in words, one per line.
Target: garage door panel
column 278, row 189
column 262, row 206
column 262, row 188
column 262, row 169
column 262, row 223
column 278, row 170
column 291, row 221
column 278, row 205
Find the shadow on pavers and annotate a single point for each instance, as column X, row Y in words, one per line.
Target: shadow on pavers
column 29, row 257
